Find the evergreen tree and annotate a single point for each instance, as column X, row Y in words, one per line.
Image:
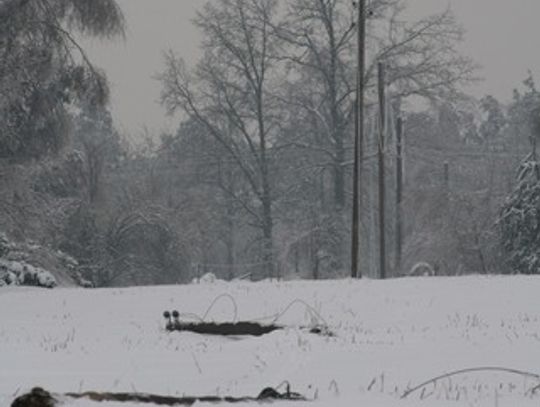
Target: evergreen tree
column 43, row 70
column 519, row 221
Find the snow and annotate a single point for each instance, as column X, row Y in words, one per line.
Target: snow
column 389, row 335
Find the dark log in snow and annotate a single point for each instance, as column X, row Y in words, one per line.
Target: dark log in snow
column 225, row 329
column 244, row 328
column 42, row 398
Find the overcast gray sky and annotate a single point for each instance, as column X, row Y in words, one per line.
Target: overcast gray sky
column 502, row 35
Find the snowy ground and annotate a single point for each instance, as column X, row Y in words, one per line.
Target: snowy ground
column 389, row 335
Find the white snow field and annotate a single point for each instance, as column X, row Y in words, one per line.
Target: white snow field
column 389, row 335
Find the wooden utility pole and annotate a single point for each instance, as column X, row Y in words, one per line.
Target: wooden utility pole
column 382, row 191
column 358, row 137
column 399, row 193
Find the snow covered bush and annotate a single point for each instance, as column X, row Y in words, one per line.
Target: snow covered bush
column 519, row 221
column 30, row 263
column 207, row 278
column 21, row 273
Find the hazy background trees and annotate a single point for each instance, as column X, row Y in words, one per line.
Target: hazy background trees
column 256, row 180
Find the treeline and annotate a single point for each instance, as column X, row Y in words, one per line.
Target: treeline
column 256, row 182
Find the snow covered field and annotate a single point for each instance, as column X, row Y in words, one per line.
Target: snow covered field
column 389, row 336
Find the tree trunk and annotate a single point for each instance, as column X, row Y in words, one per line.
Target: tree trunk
column 230, row 252
column 268, row 244
column 268, row 221
column 339, row 175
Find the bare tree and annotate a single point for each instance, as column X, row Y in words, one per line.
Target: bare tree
column 421, row 57
column 320, row 34
column 421, row 60
column 230, row 94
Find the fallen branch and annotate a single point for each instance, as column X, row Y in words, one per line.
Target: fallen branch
column 470, row 370
column 532, row 391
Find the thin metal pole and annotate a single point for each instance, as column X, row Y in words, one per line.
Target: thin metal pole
column 358, row 138
column 382, row 190
column 399, row 194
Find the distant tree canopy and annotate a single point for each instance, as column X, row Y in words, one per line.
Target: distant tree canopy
column 256, row 181
column 44, row 71
column 275, row 90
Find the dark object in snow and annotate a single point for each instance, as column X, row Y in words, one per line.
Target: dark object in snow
column 36, row 398
column 321, row 330
column 167, row 316
column 41, row 398
column 230, row 328
column 224, row 329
